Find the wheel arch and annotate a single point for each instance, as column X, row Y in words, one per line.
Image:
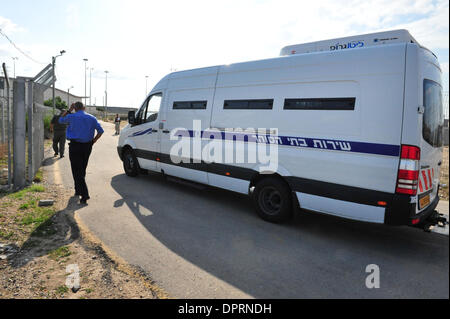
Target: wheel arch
column 257, row 177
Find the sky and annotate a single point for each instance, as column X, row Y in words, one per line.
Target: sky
column 133, row 39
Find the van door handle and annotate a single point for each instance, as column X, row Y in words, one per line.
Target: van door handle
column 154, row 131
column 440, row 163
column 166, row 131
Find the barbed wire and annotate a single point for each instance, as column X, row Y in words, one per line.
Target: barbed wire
column 19, row 49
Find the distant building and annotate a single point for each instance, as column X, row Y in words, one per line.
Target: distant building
column 68, row 98
column 112, row 110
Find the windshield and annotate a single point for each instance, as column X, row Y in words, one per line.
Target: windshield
column 433, row 119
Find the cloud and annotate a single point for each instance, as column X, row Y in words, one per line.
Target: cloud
column 8, row 26
column 72, row 16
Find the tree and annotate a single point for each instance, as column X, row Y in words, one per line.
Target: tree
column 59, row 103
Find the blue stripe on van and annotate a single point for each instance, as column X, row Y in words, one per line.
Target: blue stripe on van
column 307, row 142
column 148, row 131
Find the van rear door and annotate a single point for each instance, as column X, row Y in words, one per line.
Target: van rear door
column 431, row 143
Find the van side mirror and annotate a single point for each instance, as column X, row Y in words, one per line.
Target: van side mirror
column 131, row 117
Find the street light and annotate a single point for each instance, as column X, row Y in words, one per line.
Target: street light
column 90, row 85
column 85, row 68
column 106, row 93
column 68, row 96
column 54, row 80
column 146, row 78
column 14, row 62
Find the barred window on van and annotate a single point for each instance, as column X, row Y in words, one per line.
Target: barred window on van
column 266, row 104
column 334, row 104
column 189, row 105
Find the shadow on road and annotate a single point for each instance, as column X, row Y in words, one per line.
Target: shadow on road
column 312, row 256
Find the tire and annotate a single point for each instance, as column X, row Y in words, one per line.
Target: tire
column 130, row 163
column 273, row 200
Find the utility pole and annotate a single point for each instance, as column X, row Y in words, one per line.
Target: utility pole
column 146, row 78
column 90, row 85
column 54, row 80
column 106, row 93
column 85, row 69
column 14, row 63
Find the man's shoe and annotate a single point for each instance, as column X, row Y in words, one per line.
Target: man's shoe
column 56, row 154
column 83, row 200
column 61, row 156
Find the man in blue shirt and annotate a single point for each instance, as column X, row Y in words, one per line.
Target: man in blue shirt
column 80, row 133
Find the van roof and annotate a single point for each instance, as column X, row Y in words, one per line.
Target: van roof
column 352, row 42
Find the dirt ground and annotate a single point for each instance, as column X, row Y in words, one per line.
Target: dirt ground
column 41, row 249
column 443, row 191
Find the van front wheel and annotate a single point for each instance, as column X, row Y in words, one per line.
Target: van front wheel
column 272, row 199
column 130, row 163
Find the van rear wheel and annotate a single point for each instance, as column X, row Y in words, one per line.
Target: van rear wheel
column 130, row 163
column 272, row 199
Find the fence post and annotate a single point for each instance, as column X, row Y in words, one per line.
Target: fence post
column 30, row 131
column 3, row 118
column 2, row 103
column 19, row 133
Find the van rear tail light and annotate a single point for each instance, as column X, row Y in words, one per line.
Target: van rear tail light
column 408, row 171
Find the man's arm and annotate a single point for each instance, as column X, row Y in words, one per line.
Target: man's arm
column 99, row 130
column 53, row 122
column 96, row 137
column 62, row 119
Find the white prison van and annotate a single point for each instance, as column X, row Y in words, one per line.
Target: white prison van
column 355, row 125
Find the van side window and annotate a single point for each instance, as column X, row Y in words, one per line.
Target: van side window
column 248, row 104
column 433, row 119
column 332, row 104
column 154, row 103
column 140, row 115
column 188, row 105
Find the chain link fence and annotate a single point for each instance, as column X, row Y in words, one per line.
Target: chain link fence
column 22, row 128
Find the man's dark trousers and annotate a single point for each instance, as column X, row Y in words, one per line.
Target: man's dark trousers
column 59, row 138
column 79, row 156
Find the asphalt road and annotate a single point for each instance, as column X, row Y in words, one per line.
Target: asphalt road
column 209, row 243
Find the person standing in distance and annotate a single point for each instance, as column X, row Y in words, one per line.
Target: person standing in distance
column 117, row 124
column 80, row 133
column 59, row 134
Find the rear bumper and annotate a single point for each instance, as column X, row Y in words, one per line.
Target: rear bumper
column 402, row 212
column 427, row 212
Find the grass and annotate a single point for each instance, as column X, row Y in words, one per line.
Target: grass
column 37, row 188
column 60, row 253
column 30, row 204
column 31, row 189
column 6, row 235
column 23, row 216
column 62, row 290
column 38, row 178
column 37, row 216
